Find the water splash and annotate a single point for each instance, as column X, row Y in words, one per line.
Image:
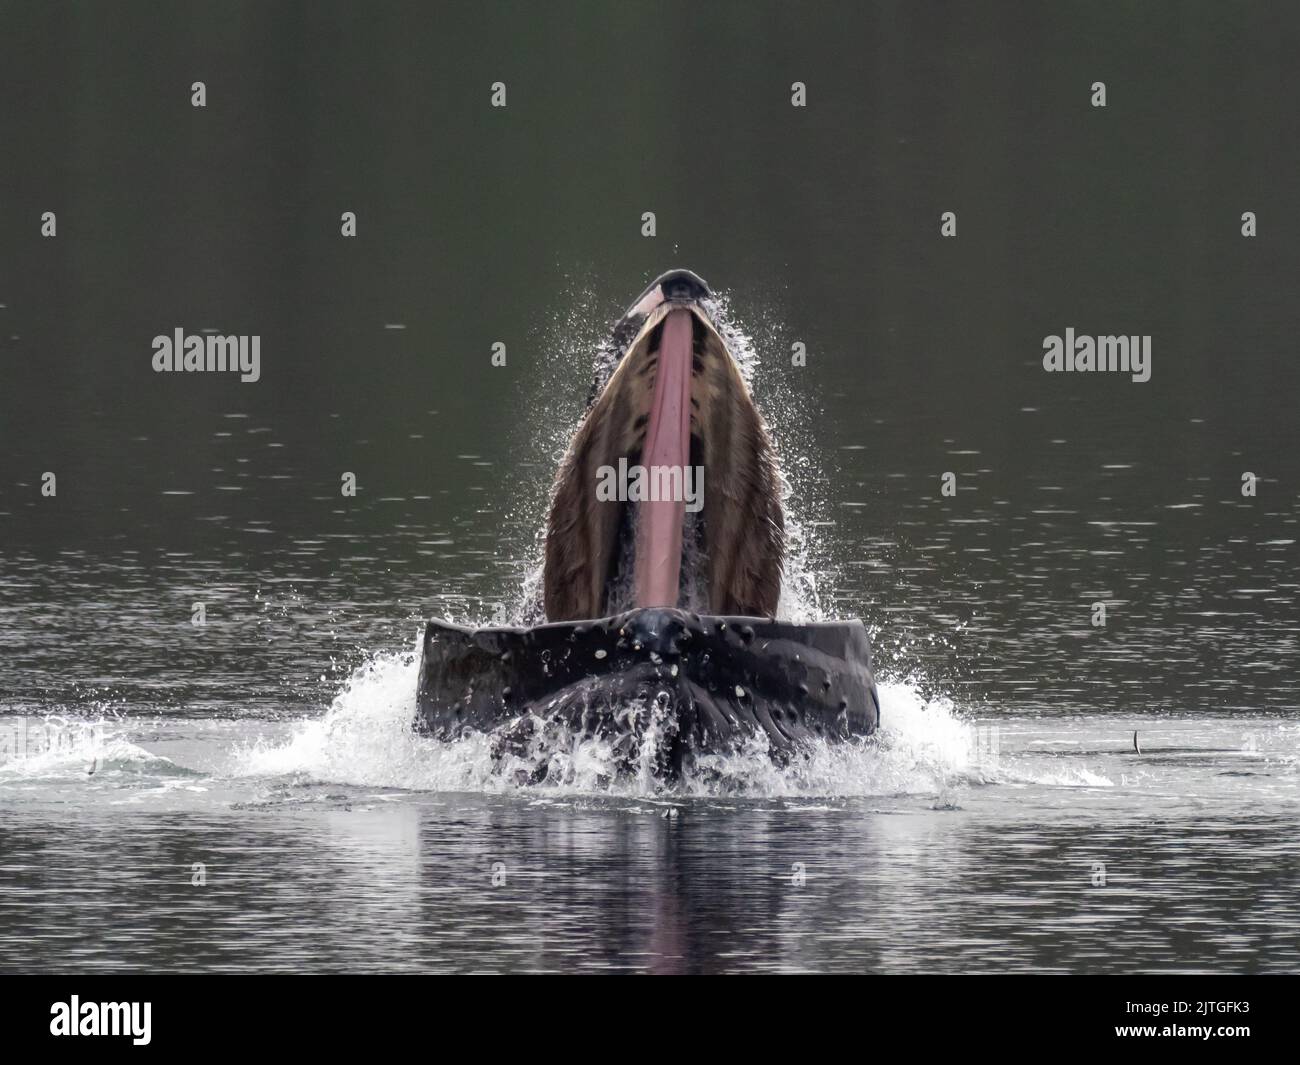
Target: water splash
column 366, row 737
column 573, row 346
column 55, row 748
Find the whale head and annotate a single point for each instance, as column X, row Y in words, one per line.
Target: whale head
column 668, row 494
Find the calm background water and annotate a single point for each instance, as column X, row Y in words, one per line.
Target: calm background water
column 270, row 745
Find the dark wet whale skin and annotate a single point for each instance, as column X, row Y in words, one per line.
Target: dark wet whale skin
column 705, row 683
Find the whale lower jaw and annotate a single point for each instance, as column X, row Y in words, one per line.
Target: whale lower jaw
column 695, row 684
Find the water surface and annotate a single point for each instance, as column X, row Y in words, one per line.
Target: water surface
column 1004, row 820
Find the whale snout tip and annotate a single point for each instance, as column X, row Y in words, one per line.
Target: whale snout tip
column 683, row 286
column 673, row 286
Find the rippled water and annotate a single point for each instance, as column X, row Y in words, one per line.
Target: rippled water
column 346, row 843
column 1003, row 820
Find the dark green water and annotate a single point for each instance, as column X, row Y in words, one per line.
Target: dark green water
column 522, row 225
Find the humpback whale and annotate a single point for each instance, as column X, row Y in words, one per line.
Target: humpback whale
column 661, row 635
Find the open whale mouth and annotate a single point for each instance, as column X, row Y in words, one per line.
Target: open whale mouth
column 668, row 496
column 664, row 550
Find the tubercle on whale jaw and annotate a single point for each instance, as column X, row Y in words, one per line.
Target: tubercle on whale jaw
column 742, row 511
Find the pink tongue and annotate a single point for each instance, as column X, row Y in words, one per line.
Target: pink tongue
column 667, row 443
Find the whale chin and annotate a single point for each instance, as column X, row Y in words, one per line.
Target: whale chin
column 657, row 686
column 677, row 409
